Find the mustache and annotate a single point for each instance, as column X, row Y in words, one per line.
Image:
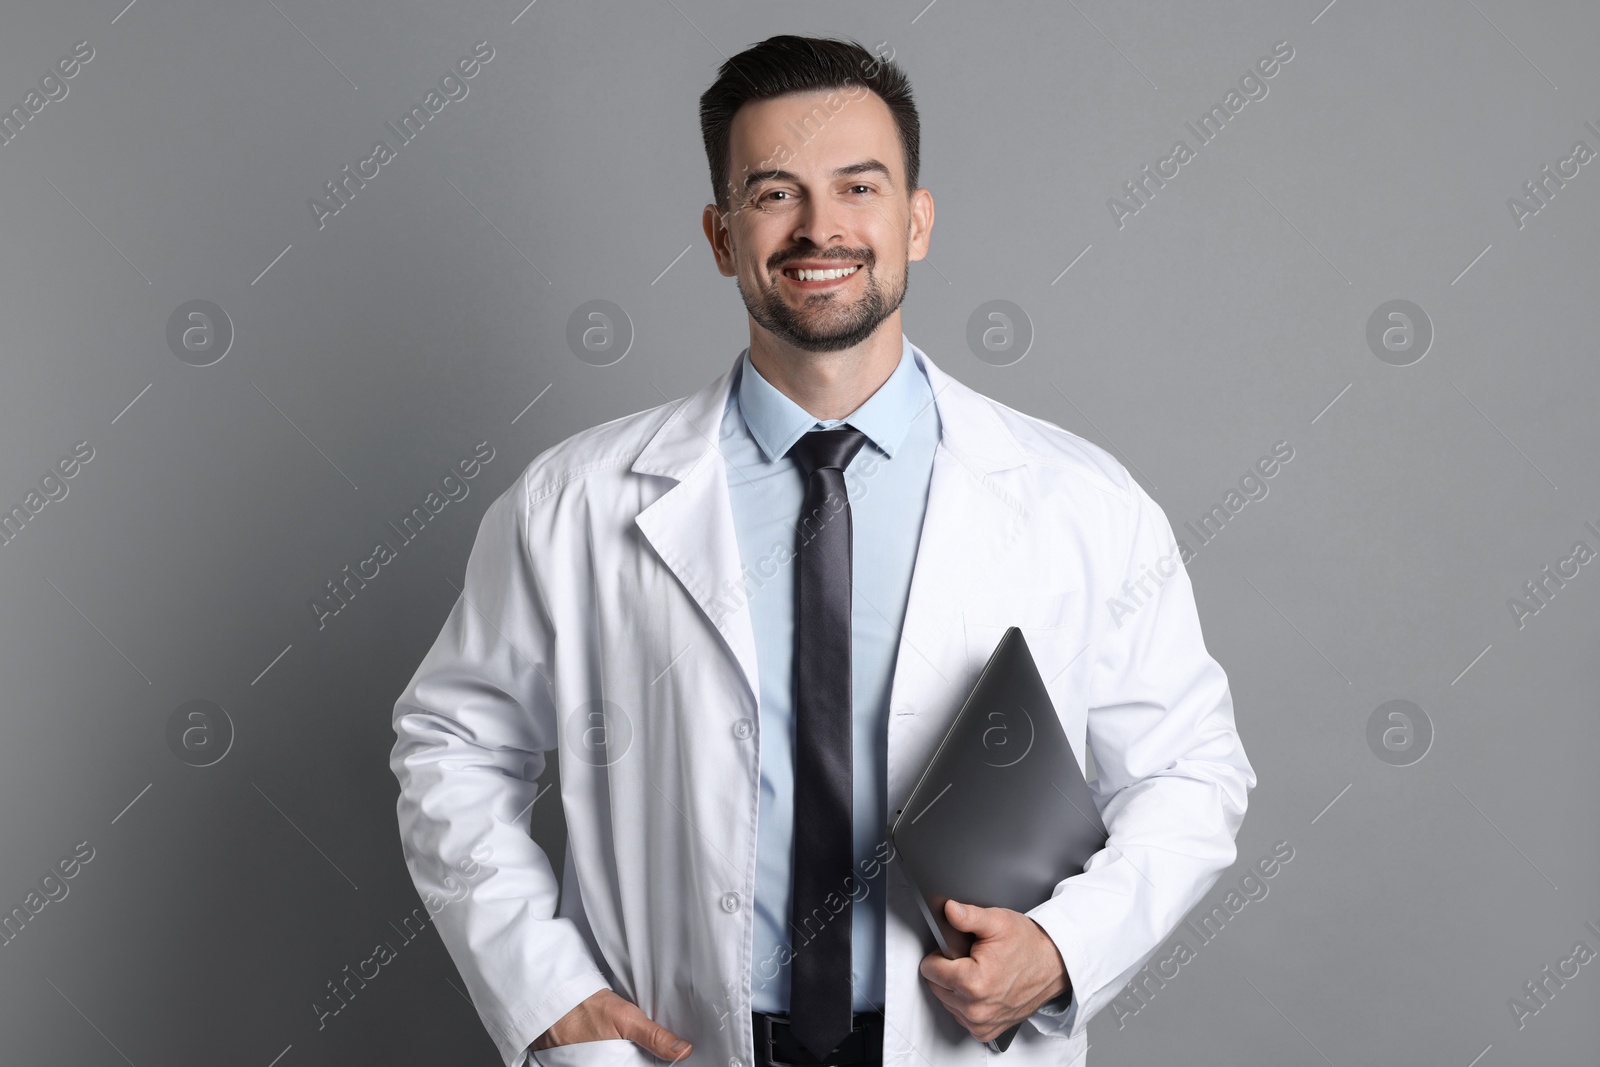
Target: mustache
column 865, row 258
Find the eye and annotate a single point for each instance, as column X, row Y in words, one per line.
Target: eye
column 868, row 188
column 775, row 192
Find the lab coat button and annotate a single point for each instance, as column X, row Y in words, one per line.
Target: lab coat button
column 734, row 1061
column 730, row 902
column 743, row 728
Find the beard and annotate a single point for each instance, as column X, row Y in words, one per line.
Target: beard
column 826, row 322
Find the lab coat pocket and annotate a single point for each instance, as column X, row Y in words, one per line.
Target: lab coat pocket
column 614, row 1052
column 1057, row 629
column 1042, row 617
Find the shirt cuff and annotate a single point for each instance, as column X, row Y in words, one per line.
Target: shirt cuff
column 1057, row 1016
column 1058, row 1005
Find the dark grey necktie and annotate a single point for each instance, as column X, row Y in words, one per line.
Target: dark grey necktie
column 820, row 993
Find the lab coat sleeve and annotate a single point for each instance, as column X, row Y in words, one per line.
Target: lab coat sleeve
column 1173, row 776
column 472, row 728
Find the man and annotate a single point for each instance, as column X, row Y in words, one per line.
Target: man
column 746, row 618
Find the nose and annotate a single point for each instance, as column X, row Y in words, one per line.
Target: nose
column 818, row 222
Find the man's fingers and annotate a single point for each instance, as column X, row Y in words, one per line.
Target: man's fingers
column 607, row 1015
column 636, row 1026
column 951, row 974
column 953, row 982
column 956, row 1007
column 937, row 975
column 949, row 999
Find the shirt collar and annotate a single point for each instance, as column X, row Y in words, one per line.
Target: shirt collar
column 777, row 422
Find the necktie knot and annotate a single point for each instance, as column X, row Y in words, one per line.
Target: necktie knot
column 827, row 449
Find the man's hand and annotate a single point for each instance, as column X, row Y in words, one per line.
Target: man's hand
column 1013, row 970
column 605, row 1016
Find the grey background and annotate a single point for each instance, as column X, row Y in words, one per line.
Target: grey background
column 371, row 355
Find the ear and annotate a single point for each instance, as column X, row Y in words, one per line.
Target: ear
column 720, row 237
column 919, row 230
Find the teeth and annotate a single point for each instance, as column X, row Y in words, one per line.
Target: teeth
column 822, row 275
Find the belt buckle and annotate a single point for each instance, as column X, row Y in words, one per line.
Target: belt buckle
column 769, row 1044
column 764, row 1040
column 767, row 1023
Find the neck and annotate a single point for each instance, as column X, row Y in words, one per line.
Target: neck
column 829, row 385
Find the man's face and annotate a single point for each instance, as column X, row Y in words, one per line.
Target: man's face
column 817, row 183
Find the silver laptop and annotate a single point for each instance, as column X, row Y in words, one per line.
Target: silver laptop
column 1002, row 812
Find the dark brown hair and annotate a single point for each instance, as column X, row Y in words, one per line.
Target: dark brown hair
column 787, row 64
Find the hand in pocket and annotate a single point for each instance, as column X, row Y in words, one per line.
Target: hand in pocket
column 606, row 1016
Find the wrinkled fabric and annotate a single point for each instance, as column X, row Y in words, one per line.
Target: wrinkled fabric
column 601, row 621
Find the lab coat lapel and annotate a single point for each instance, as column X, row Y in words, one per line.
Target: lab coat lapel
column 690, row 526
column 970, row 524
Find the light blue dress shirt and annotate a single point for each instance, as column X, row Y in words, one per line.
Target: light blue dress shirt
column 887, row 486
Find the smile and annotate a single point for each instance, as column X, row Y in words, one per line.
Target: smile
column 819, row 275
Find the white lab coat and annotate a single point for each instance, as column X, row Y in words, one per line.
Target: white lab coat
column 601, row 617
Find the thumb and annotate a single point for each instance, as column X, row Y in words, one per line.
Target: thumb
column 656, row 1039
column 968, row 917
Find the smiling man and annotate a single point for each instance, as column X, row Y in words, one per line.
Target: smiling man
column 745, row 620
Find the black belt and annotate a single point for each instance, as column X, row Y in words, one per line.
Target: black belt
column 777, row 1047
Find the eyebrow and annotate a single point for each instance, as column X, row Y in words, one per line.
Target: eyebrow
column 866, row 166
